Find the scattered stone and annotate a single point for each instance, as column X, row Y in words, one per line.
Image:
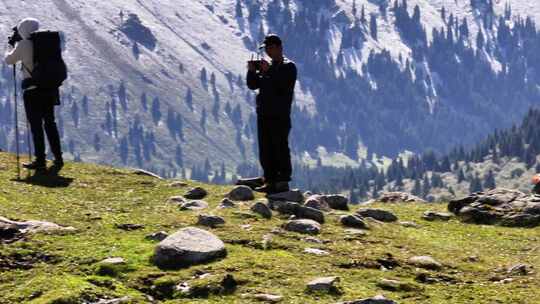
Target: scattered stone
column 289, row 196
column 146, row 173
column 436, row 216
column 129, row 227
column 410, row 224
column 178, row 184
column 316, row 251
column 378, row 214
column 316, row 202
column 519, row 270
column 267, row 241
column 355, row 232
column 303, row 212
column 303, row 226
column 396, row 197
column 262, row 209
column 326, row 284
column 157, row 236
column 125, row 299
column 9, row 227
column 188, row 246
column 194, row 205
column 395, row 285
column 177, row 200
column 226, row 203
column 336, row 201
column 196, row 193
column 311, row 239
column 498, row 207
column 353, row 221
column 211, row 221
column 113, row 261
column 241, row 193
column 263, row 297
column 284, row 207
column 375, row 300
column 425, row 262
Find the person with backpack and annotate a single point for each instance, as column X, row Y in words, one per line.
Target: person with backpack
column 275, row 81
column 43, row 73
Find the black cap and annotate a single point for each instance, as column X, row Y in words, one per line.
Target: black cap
column 271, row 40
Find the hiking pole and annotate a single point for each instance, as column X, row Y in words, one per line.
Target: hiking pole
column 16, row 122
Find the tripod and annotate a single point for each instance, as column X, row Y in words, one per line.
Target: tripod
column 15, row 95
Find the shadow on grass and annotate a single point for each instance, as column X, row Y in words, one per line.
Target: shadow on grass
column 49, row 179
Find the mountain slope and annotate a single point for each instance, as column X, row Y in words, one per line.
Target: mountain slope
column 96, row 201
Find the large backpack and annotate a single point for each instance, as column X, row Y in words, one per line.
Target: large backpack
column 50, row 70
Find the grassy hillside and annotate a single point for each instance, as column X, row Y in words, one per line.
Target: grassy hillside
column 64, row 268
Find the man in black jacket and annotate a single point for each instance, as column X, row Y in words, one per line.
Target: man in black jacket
column 275, row 82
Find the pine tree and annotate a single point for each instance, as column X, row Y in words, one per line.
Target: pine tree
column 373, row 27
column 489, row 181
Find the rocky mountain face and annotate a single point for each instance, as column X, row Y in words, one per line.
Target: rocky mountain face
column 159, row 84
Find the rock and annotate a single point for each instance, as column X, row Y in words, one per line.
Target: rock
column 337, row 202
column 125, row 299
column 263, row 297
column 303, row 212
column 8, row 227
column 188, row 246
column 498, row 207
column 375, row 300
column 284, row 207
column 241, row 193
column 425, row 262
column 316, row 202
column 397, row 197
column 146, row 173
column 177, row 200
column 355, row 232
column 157, row 236
column 378, row 214
column 194, row 205
column 316, row 251
column 395, row 285
column 289, row 196
column 353, row 221
column 210, row 220
column 325, row 284
column 410, row 224
column 262, row 209
column 519, row 270
column 436, row 216
column 113, row 261
column 303, row 226
column 226, row 203
column 178, row 184
column 129, row 227
column 196, row 193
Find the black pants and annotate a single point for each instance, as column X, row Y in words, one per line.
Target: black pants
column 39, row 106
column 274, row 152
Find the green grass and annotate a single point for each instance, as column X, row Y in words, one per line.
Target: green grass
column 97, row 198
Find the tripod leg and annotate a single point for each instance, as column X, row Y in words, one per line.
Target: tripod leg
column 16, row 122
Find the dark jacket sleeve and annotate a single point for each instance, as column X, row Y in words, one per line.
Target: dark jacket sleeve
column 252, row 80
column 287, row 79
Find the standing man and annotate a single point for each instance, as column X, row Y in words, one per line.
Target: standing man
column 38, row 102
column 275, row 82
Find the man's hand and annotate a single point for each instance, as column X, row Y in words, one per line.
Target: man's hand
column 265, row 66
column 251, row 66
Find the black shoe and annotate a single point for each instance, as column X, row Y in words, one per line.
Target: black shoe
column 253, row 183
column 35, row 165
column 58, row 163
column 274, row 188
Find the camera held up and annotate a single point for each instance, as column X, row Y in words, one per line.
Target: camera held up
column 16, row 37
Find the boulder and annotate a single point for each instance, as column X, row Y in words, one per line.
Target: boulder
column 262, row 209
column 241, row 193
column 336, row 201
column 498, row 207
column 211, row 221
column 316, row 202
column 325, row 284
column 196, row 193
column 194, row 205
column 353, row 221
column 436, row 216
column 425, row 262
column 284, row 207
column 303, row 212
column 375, row 300
column 188, row 246
column 303, row 226
column 378, row 214
column 289, row 196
